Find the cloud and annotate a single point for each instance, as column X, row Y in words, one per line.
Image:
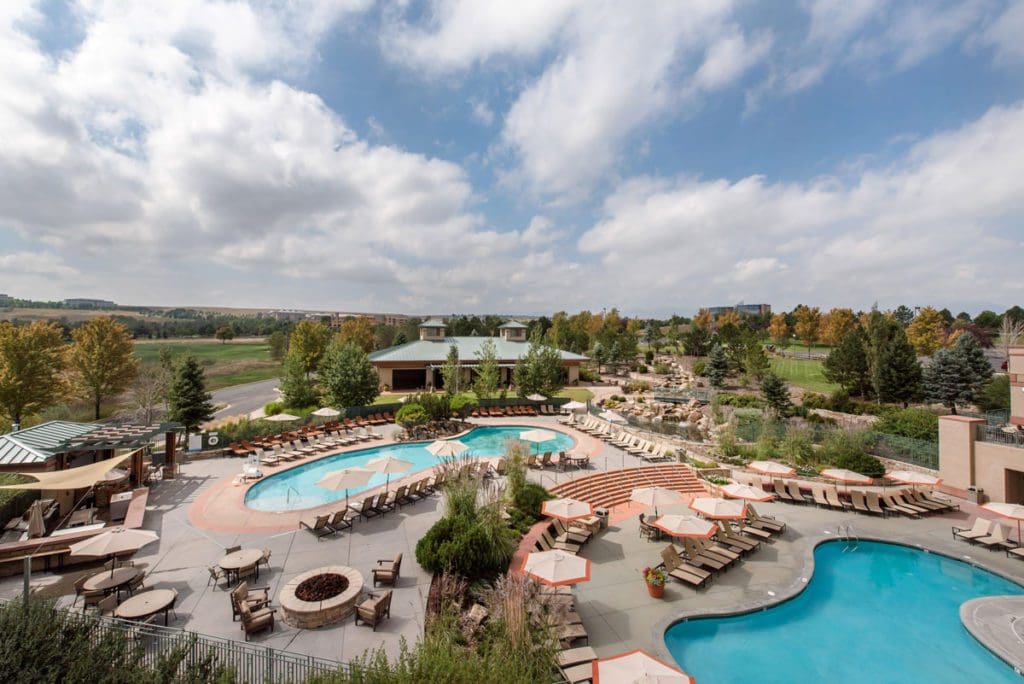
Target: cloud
column 45, row 264
column 1004, row 35
column 482, row 112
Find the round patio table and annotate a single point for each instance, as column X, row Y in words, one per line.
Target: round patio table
column 146, row 604
column 107, row 581
column 233, row 562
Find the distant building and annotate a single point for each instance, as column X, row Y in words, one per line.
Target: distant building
column 394, row 320
column 86, row 303
column 287, row 315
column 6, row 300
column 742, row 309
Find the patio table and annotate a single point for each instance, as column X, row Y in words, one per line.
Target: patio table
column 147, row 603
column 233, row 562
column 108, row 582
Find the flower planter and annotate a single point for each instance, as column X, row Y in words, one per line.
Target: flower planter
column 656, row 590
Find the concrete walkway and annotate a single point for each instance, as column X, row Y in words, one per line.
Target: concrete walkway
column 998, row 623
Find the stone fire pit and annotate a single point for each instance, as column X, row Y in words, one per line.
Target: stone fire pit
column 334, row 590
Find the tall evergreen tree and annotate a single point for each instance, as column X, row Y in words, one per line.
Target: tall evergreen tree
column 717, row 366
column 188, row 401
column 957, row 375
column 776, row 393
column 899, row 375
column 487, row 371
column 539, row 371
column 847, row 364
column 450, row 371
column 346, row 375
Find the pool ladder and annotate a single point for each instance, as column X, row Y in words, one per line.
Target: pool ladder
column 849, row 535
column 288, row 494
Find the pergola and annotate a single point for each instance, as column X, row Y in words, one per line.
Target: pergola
column 107, row 438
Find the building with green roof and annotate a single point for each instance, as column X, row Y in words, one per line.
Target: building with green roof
column 417, row 364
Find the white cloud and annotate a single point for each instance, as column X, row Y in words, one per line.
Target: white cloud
column 1006, row 34
column 45, row 264
column 482, row 112
column 541, row 231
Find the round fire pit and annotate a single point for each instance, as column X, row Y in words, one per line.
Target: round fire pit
column 320, row 597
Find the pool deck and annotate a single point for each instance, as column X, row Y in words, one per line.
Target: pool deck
column 998, row 623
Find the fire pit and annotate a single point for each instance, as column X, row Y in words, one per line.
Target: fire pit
column 320, row 597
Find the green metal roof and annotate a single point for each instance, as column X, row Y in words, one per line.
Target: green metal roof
column 512, row 324
column 433, row 323
column 40, row 443
column 436, row 351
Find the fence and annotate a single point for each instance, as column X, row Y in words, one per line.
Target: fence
column 907, row 449
column 1011, row 437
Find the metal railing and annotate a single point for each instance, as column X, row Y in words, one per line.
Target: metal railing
column 991, row 433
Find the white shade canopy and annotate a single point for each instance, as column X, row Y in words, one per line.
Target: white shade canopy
column 847, row 476
column 1008, row 510
column 771, row 468
column 345, row 479
column 574, row 405
column 719, row 509
column 536, row 435
column 656, row 496
column 612, row 417
column 556, row 567
column 685, row 526
column 119, row 540
column 537, row 397
column 327, row 412
column 447, row 447
column 636, row 667
column 566, row 509
column 281, row 418
column 912, row 477
column 388, row 464
column 71, row 478
column 742, row 491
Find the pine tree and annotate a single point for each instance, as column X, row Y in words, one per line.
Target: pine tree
column 899, row 377
column 487, row 371
column 297, row 390
column 847, row 364
column 776, row 393
column 717, row 367
column 450, row 371
column 539, row 371
column 400, row 338
column 957, row 375
column 188, row 401
column 346, row 375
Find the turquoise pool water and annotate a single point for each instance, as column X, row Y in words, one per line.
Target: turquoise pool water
column 882, row 613
column 296, row 488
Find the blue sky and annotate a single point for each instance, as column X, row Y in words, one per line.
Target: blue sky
column 518, row 157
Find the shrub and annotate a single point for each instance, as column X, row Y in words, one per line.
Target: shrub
column 862, row 463
column 589, row 375
column 662, row 368
column 843, row 444
column 411, row 415
column 700, row 367
column 649, row 356
column 813, row 400
column 274, row 408
column 642, row 368
column 739, row 400
column 529, row 499
column 701, row 465
column 797, row 446
column 635, row 386
column 618, row 397
column 463, row 404
column 717, row 479
column 915, row 423
column 727, row 443
column 435, row 406
column 995, row 394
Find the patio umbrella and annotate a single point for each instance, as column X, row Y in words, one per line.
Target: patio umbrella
column 281, row 418
column 742, row 491
column 36, row 525
column 846, row 476
column 771, row 468
column 388, row 465
column 566, row 509
column 574, row 405
column 556, row 567
column 911, row 477
column 1008, row 510
column 656, row 496
column 636, row 667
column 612, row 417
column 686, row 526
column 719, row 509
column 327, row 412
column 345, row 479
column 536, row 436
column 537, row 397
column 119, row 540
column 447, row 447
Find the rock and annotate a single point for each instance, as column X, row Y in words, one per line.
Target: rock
column 695, row 417
column 477, row 614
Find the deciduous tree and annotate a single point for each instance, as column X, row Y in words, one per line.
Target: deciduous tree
column 346, row 375
column 188, row 401
column 836, row 324
column 278, row 343
column 308, row 343
column 224, row 333
column 31, row 361
column 358, row 330
column 297, row 390
column 487, row 371
column 808, row 325
column 927, row 332
column 730, row 317
column 778, row 329
column 704, row 319
column 451, row 370
column 101, row 361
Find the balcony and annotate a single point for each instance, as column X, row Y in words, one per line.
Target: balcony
column 1006, row 434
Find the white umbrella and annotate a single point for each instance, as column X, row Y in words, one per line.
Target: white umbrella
column 327, row 412
column 537, row 435
column 742, row 491
column 911, row 477
column 771, row 468
column 612, row 417
column 846, row 476
column 388, row 464
column 119, row 540
column 566, row 509
column 686, row 526
column 556, row 567
column 281, row 417
column 447, row 447
column 636, row 667
column 36, row 525
column 719, row 509
column 656, row 496
column 574, row 406
column 1008, row 510
column 537, row 397
column 345, row 479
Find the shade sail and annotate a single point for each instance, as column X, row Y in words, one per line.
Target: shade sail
column 567, row 509
column 636, row 667
column 720, row 509
column 447, row 447
column 686, row 526
column 771, row 468
column 742, row 491
column 72, row 478
column 556, row 567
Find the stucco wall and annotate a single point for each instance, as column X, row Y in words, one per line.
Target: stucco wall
column 991, row 461
column 966, row 461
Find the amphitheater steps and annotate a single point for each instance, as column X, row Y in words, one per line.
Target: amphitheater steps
column 613, row 487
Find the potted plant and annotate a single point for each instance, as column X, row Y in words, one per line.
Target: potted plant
column 655, row 579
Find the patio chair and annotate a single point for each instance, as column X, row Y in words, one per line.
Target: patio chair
column 918, row 499
column 649, row 531
column 232, row 549
column 387, row 574
column 318, row 526
column 80, row 591
column 574, row 664
column 996, row 540
column 982, row 528
column 832, row 496
column 532, row 462
column 893, row 505
column 573, row 533
column 399, row 497
column 342, row 520
column 91, row 599
column 135, row 584
column 698, row 558
column 216, row 575
column 683, row 572
column 569, row 546
column 545, row 460
column 929, row 496
column 709, row 547
column 374, row 609
column 733, row 539
column 253, row 598
column 1015, row 553
column 768, row 524
column 365, row 509
column 795, row 493
column 256, row 621
column 818, row 493
column 858, row 501
column 920, row 510
column 265, row 559
column 381, row 505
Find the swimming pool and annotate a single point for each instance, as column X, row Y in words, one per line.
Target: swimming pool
column 881, row 613
column 296, row 488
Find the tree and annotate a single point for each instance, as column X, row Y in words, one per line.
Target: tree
column 808, row 325
column 835, row 324
column 225, row 333
column 188, row 401
column 451, row 370
column 778, row 329
column 297, row 390
column 948, row 379
column 697, row 341
column 988, row 319
column 704, row 319
column 927, row 332
column 748, row 353
column 730, row 317
column 31, row 361
column 995, row 394
column 346, row 375
column 1015, row 313
column 149, row 391
column 717, row 367
column 903, row 315
column 898, row 377
column 400, row 338
column 278, row 343
column 487, row 371
column 539, row 371
column 776, row 393
column 847, row 364
column 1010, row 333
column 101, row 360
column 308, row 343
column 359, row 330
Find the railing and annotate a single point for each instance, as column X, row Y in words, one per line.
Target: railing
column 907, row 449
column 678, row 395
column 990, row 433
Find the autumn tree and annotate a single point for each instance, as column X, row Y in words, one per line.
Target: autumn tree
column 927, row 332
column 31, row 361
column 778, row 329
column 101, row 360
column 347, row 376
column 188, row 401
column 487, row 370
column 224, row 333
column 836, row 324
column 308, row 343
column 704, row 319
column 358, row 330
column 730, row 317
column 808, row 325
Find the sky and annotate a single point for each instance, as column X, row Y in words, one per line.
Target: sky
column 516, row 157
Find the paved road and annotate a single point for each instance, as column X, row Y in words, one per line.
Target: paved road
column 244, row 399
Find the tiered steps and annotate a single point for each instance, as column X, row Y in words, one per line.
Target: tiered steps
column 613, row 487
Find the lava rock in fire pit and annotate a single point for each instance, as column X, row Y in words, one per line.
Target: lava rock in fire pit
column 321, row 587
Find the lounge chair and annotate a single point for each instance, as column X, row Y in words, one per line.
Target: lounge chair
column 545, row 460
column 575, row 664
column 575, row 535
column 257, row 621
column 387, row 571
column 683, row 572
column 532, row 462
column 920, row 510
column 996, row 540
column 818, row 493
column 374, row 609
column 732, row 539
column 893, row 505
column 779, row 487
column 766, row 523
column 712, row 548
column 832, row 497
column 912, row 496
column 399, row 497
column 874, row 503
column 1015, row 553
column 703, row 560
column 318, row 526
column 381, row 504
column 931, row 497
column 795, row 493
column 569, row 546
column 365, row 510
column 342, row 520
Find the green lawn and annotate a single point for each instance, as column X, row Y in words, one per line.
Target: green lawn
column 227, row 364
column 804, row 373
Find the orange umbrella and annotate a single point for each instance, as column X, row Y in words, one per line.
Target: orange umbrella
column 567, row 509
column 771, row 468
column 685, row 526
column 846, row 476
column 636, row 667
column 742, row 491
column 1008, row 510
column 556, row 567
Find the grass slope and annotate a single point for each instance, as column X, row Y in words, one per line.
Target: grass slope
column 805, row 373
column 228, row 364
